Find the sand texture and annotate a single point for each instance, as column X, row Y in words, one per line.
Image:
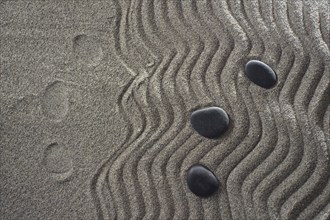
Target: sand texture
column 96, row 98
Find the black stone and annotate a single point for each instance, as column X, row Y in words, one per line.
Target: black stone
column 261, row 74
column 210, row 122
column 201, row 181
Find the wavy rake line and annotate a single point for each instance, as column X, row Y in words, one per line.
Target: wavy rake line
column 285, row 68
column 318, row 180
column 320, row 207
column 312, row 78
column 320, row 101
column 318, row 105
column 256, row 165
column 169, row 130
column 319, row 197
column 171, row 71
column 180, row 154
column 257, row 45
column 137, row 31
column 129, row 48
column 118, row 168
column 176, row 25
column 206, row 204
column 262, row 149
column 166, row 120
column 225, row 46
column 219, row 149
column 128, row 168
column 101, row 174
column 211, row 46
column 99, row 177
column 249, row 168
column 113, row 176
column 173, row 128
column 143, row 165
column 120, row 37
column 131, row 164
column 96, row 185
column 123, row 31
column 264, row 158
column 312, row 186
column 228, row 82
column 313, row 23
column 176, row 133
column 269, row 30
column 127, row 43
column 261, row 175
column 172, row 168
column 192, row 62
column 324, row 21
column 322, row 203
column 203, row 152
column 125, row 151
column 302, row 174
column 258, row 176
column 147, row 29
column 140, row 129
column 326, row 125
column 284, row 169
column 136, row 206
column 160, row 160
column 266, row 29
column 171, row 161
column 274, row 175
column 129, row 90
column 236, row 155
column 286, row 187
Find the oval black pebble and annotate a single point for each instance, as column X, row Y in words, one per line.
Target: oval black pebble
column 260, row 73
column 210, row 122
column 201, row 181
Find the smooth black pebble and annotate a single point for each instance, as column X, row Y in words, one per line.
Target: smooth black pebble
column 210, row 122
column 261, row 74
column 201, row 181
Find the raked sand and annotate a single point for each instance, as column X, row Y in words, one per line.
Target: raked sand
column 96, row 99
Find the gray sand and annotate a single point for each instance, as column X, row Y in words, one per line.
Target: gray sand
column 95, row 100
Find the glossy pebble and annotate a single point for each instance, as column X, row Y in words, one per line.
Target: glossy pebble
column 210, row 122
column 261, row 74
column 201, row 181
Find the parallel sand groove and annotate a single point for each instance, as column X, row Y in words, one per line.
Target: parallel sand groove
column 270, row 169
column 272, row 163
column 247, row 141
column 153, row 142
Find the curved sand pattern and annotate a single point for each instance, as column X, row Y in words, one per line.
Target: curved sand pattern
column 274, row 161
column 169, row 58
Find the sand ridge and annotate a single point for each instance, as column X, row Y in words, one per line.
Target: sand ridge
column 171, row 58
